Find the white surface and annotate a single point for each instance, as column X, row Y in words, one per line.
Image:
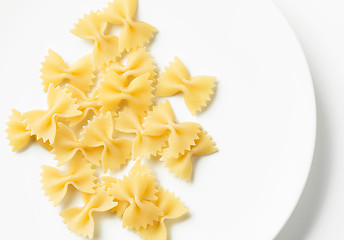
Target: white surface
column 319, row 25
column 262, row 118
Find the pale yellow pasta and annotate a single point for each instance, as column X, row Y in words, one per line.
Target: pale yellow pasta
column 67, row 145
column 106, row 47
column 19, row 135
column 181, row 166
column 114, row 90
column 172, row 208
column 135, row 195
column 181, row 136
column 143, row 146
column 108, row 181
column 197, row 90
column 105, row 123
column 98, row 134
column 85, row 103
column 80, row 175
column 80, row 219
column 138, row 63
column 134, row 33
column 46, row 145
column 137, row 169
column 79, row 74
column 16, row 130
column 42, row 123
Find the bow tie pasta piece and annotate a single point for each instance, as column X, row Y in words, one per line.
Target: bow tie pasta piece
column 181, row 136
column 134, row 33
column 67, row 145
column 136, row 194
column 143, row 146
column 43, row 123
column 80, row 219
column 17, row 133
column 138, row 63
column 80, row 74
column 181, row 166
column 80, row 175
column 197, row 91
column 99, row 133
column 86, row 105
column 172, row 207
column 114, row 89
column 92, row 27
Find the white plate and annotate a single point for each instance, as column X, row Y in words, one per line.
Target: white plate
column 262, row 118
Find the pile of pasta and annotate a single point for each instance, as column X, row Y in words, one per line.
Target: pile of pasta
column 105, row 124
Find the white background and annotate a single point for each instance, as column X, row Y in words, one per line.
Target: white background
column 319, row 25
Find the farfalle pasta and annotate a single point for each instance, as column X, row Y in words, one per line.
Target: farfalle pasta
column 197, row 90
column 79, row 74
column 172, row 208
column 134, row 33
column 143, row 146
column 102, row 113
column 80, row 219
column 115, row 89
column 138, row 63
column 135, row 195
column 181, row 166
column 142, row 205
column 181, row 136
column 106, row 47
column 67, row 145
column 86, row 105
column 17, row 133
column 98, row 134
column 42, row 123
column 80, row 175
